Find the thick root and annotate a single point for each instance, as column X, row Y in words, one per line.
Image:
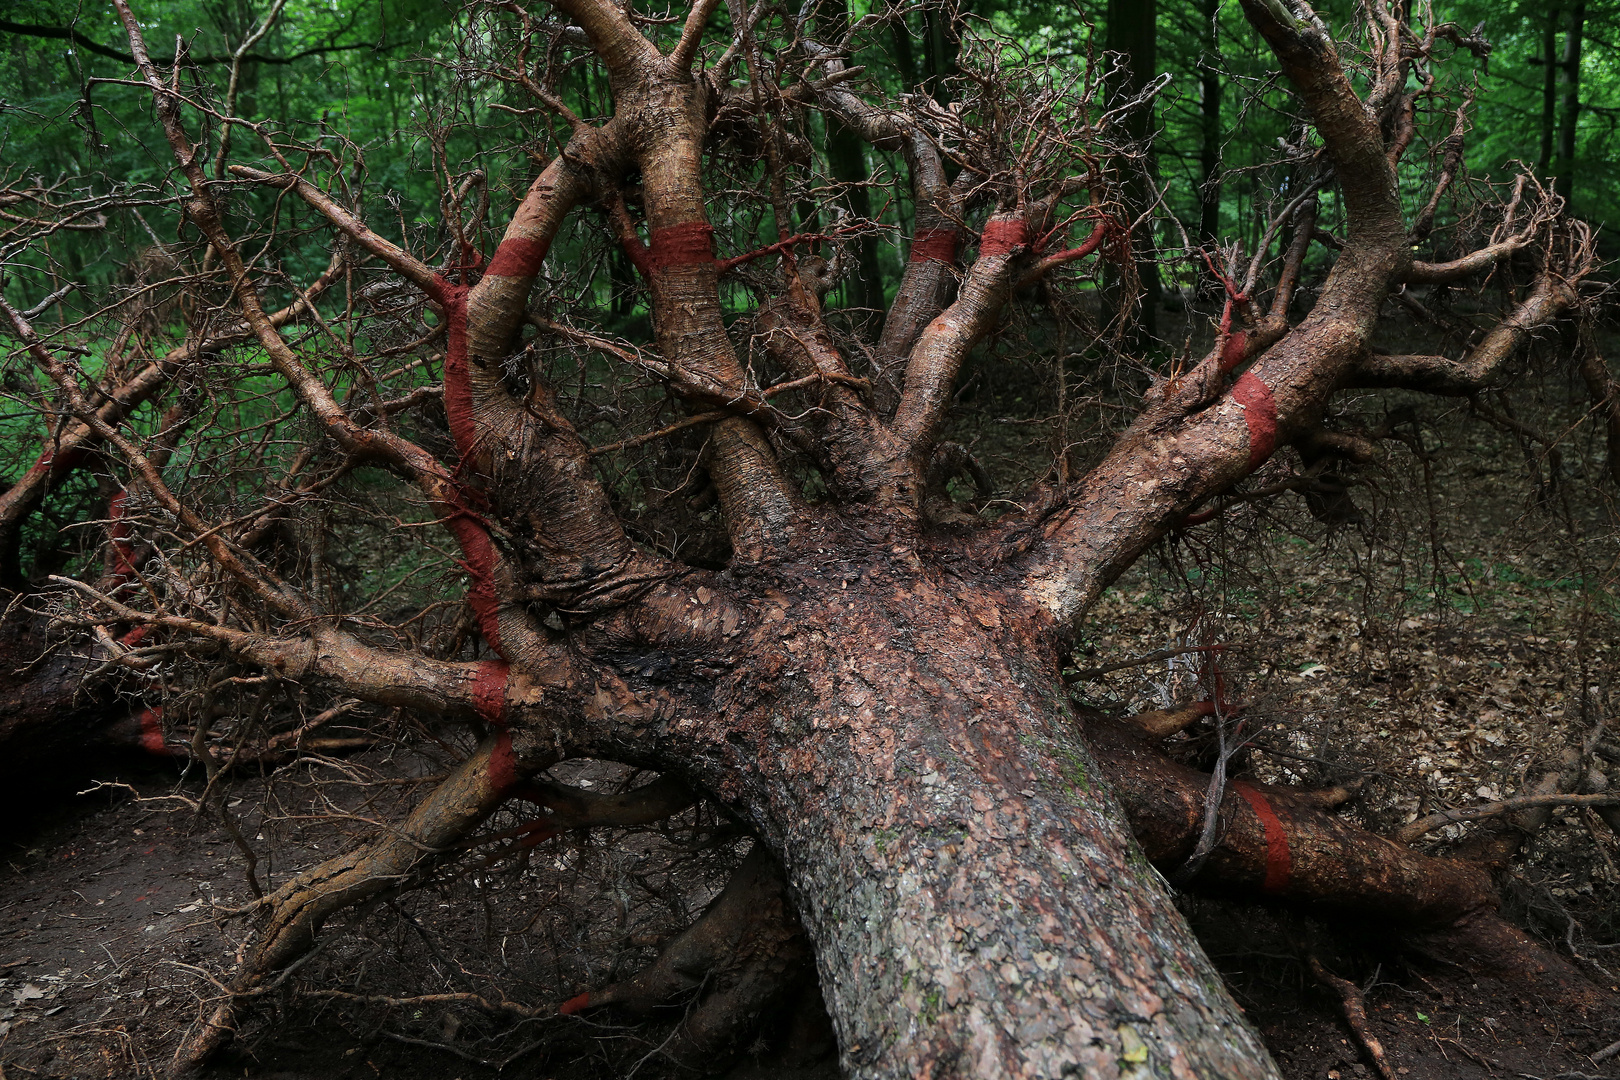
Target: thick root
column 746, row 955
column 1282, row 843
column 296, row 911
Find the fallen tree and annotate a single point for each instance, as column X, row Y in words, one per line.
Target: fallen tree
column 864, row 674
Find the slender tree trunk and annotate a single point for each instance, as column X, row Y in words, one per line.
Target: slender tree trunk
column 1132, row 31
column 1549, row 91
column 905, row 54
column 1209, row 159
column 846, row 156
column 941, row 40
column 1570, row 81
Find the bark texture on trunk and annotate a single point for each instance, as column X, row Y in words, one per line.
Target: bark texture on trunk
column 978, row 908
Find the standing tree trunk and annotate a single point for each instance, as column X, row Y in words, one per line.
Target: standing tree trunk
column 1133, row 33
column 1569, row 77
column 1210, row 131
column 1548, row 60
column 846, row 158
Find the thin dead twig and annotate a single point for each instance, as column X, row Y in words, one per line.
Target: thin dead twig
column 1434, row 821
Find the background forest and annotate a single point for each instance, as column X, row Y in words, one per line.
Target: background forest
column 374, row 75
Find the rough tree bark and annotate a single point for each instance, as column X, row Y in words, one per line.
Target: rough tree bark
column 878, row 698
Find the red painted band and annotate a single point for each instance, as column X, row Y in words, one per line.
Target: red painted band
column 71, row 458
column 1232, row 352
column 518, row 256
column 476, row 547
column 691, row 244
column 1279, row 861
column 478, row 553
column 934, row 245
column 135, row 636
column 502, row 761
column 152, row 730
column 1001, row 236
column 577, row 1003
column 1260, row 411
column 458, row 405
column 489, row 690
column 489, row 699
column 536, row 833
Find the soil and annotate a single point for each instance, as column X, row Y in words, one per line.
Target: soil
column 110, row 928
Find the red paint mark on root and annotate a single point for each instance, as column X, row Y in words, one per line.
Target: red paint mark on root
column 458, row 406
column 577, row 1003
column 489, row 690
column 691, row 244
column 489, row 698
column 1001, row 236
column 502, row 761
column 1279, row 860
column 934, row 245
column 1260, row 411
column 1232, row 352
column 152, row 730
column 50, row 460
column 536, row 833
column 518, row 256
column 467, row 527
column 479, row 562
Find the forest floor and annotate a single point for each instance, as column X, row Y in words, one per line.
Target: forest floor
column 1442, row 652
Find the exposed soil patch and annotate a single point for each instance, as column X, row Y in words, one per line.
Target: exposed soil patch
column 109, row 929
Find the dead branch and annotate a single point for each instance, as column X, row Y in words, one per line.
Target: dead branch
column 1425, row 825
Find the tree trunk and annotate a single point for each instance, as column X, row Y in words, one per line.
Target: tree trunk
column 1209, row 156
column 1132, row 31
column 846, row 158
column 941, row 39
column 1569, row 74
column 976, row 902
column 49, row 719
column 1548, row 60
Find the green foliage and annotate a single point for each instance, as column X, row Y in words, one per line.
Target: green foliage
column 398, row 101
